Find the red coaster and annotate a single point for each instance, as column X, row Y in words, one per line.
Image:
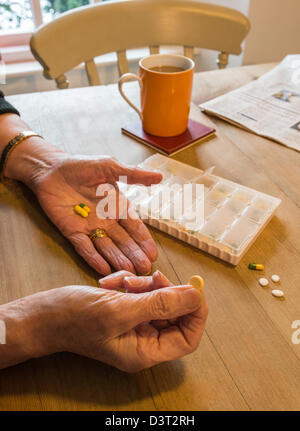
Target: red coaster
column 194, row 133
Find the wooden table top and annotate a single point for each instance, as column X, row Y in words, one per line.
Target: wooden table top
column 246, row 360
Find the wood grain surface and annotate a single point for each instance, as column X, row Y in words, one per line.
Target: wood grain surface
column 246, row 360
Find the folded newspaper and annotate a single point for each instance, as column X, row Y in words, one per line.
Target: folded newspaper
column 268, row 106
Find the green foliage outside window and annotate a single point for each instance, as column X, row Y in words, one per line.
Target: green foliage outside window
column 14, row 12
column 60, row 6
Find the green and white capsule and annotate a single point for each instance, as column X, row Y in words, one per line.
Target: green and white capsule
column 257, row 266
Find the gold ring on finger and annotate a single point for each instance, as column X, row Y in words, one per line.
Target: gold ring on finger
column 97, row 233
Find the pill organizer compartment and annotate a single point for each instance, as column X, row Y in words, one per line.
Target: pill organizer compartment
column 172, row 210
column 243, row 195
column 172, row 173
column 181, row 170
column 161, row 203
column 197, row 190
column 259, row 210
column 218, row 223
column 235, row 205
column 226, row 215
column 134, row 193
column 256, row 215
column 151, row 201
column 223, row 188
column 189, row 224
column 264, row 203
column 209, row 209
column 168, row 212
column 234, row 215
column 174, row 180
column 219, row 193
column 157, row 164
column 193, row 217
column 208, row 182
column 239, row 234
column 154, row 162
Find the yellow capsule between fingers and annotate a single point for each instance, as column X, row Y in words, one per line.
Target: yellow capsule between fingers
column 80, row 211
column 197, row 282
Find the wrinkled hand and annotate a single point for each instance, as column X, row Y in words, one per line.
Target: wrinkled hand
column 132, row 330
column 72, row 180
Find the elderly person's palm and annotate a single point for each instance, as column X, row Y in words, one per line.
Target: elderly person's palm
column 75, row 180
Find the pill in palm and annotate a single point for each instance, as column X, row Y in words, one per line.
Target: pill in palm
column 85, row 207
column 275, row 278
column 197, row 282
column 278, row 293
column 80, row 211
column 263, row 282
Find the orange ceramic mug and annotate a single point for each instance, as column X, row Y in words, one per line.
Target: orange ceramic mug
column 166, row 87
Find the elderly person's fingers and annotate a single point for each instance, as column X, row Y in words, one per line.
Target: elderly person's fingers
column 134, row 284
column 118, row 329
column 113, row 254
column 170, row 343
column 129, row 248
column 175, row 341
column 145, row 284
column 167, row 344
column 160, row 304
column 139, row 232
column 85, row 248
column 115, row 280
column 133, row 174
column 160, row 280
column 85, row 169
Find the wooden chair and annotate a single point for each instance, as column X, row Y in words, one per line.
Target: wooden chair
column 84, row 33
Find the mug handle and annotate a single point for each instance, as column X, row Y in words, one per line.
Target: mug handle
column 125, row 78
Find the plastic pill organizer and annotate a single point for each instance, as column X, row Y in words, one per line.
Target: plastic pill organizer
column 234, row 215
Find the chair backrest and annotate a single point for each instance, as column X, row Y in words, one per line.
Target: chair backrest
column 84, row 33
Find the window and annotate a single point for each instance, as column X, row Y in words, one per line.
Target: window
column 15, row 15
column 24, row 15
column 19, row 18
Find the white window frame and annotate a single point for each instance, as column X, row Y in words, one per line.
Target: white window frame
column 19, row 37
column 14, row 44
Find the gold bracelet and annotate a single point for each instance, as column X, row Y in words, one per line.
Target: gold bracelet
column 13, row 143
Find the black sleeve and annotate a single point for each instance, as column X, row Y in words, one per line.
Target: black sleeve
column 5, row 107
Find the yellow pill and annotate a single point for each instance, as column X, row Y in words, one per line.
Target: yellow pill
column 80, row 211
column 197, row 282
column 85, row 207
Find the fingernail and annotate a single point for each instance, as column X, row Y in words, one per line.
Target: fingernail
column 191, row 298
column 101, row 282
column 144, row 274
column 160, row 279
column 134, row 281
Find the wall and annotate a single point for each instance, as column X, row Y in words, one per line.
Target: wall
column 275, row 30
column 207, row 61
